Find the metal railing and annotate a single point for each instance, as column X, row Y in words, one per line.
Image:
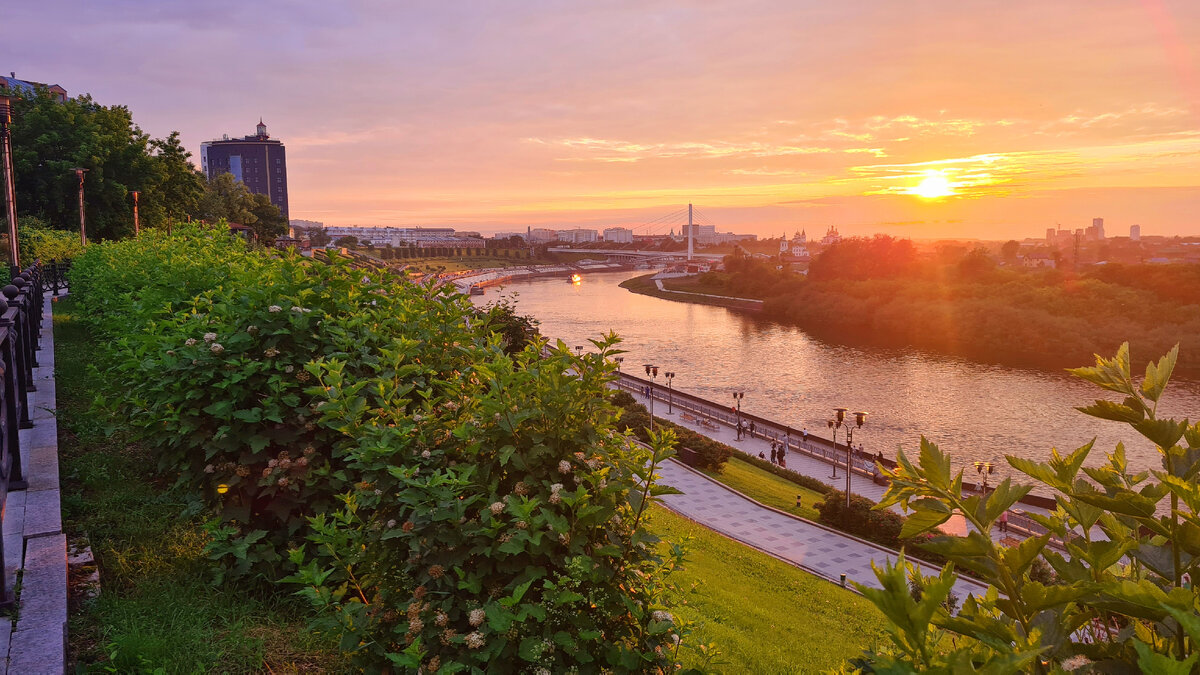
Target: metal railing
column 21, row 307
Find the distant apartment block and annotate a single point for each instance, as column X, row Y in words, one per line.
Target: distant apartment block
column 1135, row 233
column 541, row 235
column 258, row 161
column 398, row 237
column 15, row 86
column 618, row 235
column 577, row 236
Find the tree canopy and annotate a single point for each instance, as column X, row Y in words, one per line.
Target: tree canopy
column 51, row 138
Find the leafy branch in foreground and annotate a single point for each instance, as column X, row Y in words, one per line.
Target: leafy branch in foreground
column 1126, row 544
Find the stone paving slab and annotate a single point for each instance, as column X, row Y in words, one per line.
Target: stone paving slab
column 805, row 544
column 39, row 643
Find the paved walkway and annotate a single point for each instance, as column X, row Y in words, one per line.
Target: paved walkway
column 812, row 547
column 804, row 464
column 34, row 542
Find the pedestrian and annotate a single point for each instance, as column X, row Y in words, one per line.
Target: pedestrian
column 739, row 430
column 804, row 436
column 1004, row 521
column 751, row 428
column 774, row 453
column 761, row 455
column 879, row 457
column 783, row 450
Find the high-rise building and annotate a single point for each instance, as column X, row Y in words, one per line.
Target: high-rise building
column 258, row 161
column 1098, row 223
column 1050, row 233
column 1135, row 233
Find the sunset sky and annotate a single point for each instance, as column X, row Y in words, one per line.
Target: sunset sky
column 770, row 116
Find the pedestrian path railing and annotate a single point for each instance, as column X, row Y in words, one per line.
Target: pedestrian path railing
column 21, row 315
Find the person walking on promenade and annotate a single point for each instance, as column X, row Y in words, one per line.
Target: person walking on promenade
column 751, row 428
column 774, row 451
column 1004, row 522
column 804, row 436
column 740, row 429
column 783, row 451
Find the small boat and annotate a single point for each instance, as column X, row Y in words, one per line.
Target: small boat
column 575, row 278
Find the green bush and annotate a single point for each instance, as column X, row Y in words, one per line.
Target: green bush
column 39, row 242
column 636, row 420
column 445, row 504
column 861, row 519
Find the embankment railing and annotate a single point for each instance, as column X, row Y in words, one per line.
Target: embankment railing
column 21, row 316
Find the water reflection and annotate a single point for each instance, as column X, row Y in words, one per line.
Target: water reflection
column 976, row 411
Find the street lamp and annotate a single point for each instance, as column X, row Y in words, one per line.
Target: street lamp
column 6, row 173
column 619, row 360
column 737, row 398
column 79, row 171
column 579, row 350
column 136, row 229
column 670, row 375
column 652, row 373
column 983, row 469
column 839, row 421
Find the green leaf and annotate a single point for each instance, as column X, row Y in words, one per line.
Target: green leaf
column 1161, row 664
column 1157, row 376
column 921, row 521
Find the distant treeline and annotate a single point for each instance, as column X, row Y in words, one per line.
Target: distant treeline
column 879, row 292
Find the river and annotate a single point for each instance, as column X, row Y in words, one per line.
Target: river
column 978, row 412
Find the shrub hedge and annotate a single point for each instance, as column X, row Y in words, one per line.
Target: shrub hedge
column 444, row 504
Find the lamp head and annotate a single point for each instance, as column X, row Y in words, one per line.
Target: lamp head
column 860, row 418
column 841, row 414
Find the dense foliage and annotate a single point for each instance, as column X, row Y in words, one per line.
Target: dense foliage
column 445, row 504
column 710, row 454
column 964, row 305
column 1123, row 600
column 39, row 242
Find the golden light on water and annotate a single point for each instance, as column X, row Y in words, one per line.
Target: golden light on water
column 935, row 185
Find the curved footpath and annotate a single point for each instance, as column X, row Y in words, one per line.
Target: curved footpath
column 803, row 543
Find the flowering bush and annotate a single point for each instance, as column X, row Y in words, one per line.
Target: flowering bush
column 446, row 504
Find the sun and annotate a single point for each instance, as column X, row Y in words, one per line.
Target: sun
column 933, row 186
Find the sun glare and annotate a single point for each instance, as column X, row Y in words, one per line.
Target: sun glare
column 933, row 186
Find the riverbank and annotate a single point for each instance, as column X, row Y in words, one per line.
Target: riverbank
column 645, row 285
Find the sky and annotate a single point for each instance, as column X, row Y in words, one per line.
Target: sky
column 974, row 119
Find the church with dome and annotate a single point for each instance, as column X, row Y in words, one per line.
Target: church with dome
column 796, row 250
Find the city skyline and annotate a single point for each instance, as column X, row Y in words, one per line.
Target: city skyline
column 968, row 120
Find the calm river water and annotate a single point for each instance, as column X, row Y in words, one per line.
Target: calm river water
column 975, row 411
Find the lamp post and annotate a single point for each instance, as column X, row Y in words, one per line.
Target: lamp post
column 79, row 171
column 670, row 375
column 6, row 173
column 136, row 228
column 619, row 360
column 983, row 469
column 652, row 373
column 579, row 350
column 737, row 398
column 839, row 421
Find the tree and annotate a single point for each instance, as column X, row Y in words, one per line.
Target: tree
column 318, row 236
column 1008, row 252
column 268, row 222
column 878, row 257
column 348, row 241
column 51, row 138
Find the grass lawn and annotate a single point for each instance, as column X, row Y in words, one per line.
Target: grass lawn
column 766, row 487
column 764, row 615
column 156, row 608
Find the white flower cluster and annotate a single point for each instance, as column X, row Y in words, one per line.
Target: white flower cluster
column 274, row 309
column 209, row 337
column 191, row 342
column 216, row 348
column 564, row 467
column 554, row 490
column 497, row 507
column 661, row 615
